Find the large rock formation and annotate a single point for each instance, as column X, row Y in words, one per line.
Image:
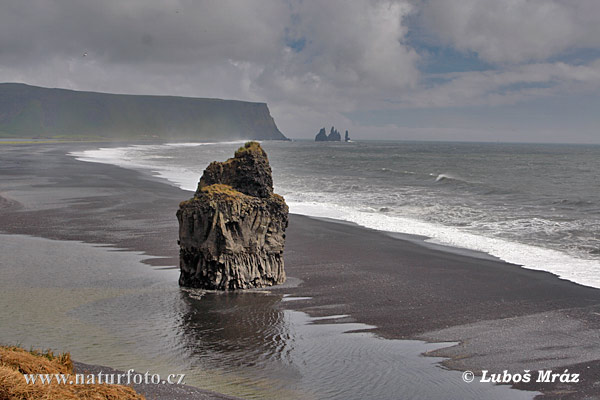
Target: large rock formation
column 321, row 136
column 232, row 232
column 334, row 135
column 30, row 111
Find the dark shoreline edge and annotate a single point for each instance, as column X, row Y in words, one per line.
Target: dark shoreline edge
column 405, row 289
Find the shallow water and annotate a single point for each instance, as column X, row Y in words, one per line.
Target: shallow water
column 107, row 308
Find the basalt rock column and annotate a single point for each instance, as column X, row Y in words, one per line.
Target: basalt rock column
column 232, row 232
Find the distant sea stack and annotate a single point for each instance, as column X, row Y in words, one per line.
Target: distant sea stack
column 30, row 111
column 334, row 136
column 321, row 136
column 232, row 232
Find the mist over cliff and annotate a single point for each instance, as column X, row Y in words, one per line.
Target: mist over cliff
column 31, row 111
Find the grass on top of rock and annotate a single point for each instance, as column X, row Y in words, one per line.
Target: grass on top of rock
column 222, row 191
column 279, row 198
column 16, row 361
column 216, row 190
column 250, row 147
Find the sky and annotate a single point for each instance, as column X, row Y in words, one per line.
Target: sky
column 468, row 70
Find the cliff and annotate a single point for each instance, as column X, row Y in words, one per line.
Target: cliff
column 232, row 232
column 30, row 111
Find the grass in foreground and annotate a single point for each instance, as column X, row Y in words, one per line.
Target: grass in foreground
column 15, row 361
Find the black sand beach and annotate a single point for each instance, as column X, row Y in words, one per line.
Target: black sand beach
column 505, row 317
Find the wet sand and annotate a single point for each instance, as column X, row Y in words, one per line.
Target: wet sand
column 505, row 317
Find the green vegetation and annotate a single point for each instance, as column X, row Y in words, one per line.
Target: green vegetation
column 278, row 198
column 221, row 191
column 35, row 112
column 249, row 147
column 216, row 191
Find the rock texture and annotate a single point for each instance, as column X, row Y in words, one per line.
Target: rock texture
column 232, row 232
column 27, row 111
column 321, row 136
column 334, row 135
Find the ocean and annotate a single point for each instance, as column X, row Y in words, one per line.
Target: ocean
column 535, row 205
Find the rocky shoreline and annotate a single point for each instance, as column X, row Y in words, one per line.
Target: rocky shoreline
column 503, row 315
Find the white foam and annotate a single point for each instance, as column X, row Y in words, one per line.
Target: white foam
column 195, row 144
column 295, row 298
column 137, row 157
column 129, row 155
column 581, row 271
column 584, row 272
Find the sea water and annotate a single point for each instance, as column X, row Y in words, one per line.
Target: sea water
column 536, row 205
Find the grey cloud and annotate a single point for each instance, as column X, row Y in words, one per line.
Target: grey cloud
column 354, row 53
column 508, row 86
column 150, row 31
column 514, row 31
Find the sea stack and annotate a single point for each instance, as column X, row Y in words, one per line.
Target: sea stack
column 321, row 136
column 232, row 232
column 334, row 135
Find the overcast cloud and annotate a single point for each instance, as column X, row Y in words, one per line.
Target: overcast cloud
column 319, row 63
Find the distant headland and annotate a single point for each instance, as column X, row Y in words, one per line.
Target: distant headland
column 31, row 111
column 334, row 136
